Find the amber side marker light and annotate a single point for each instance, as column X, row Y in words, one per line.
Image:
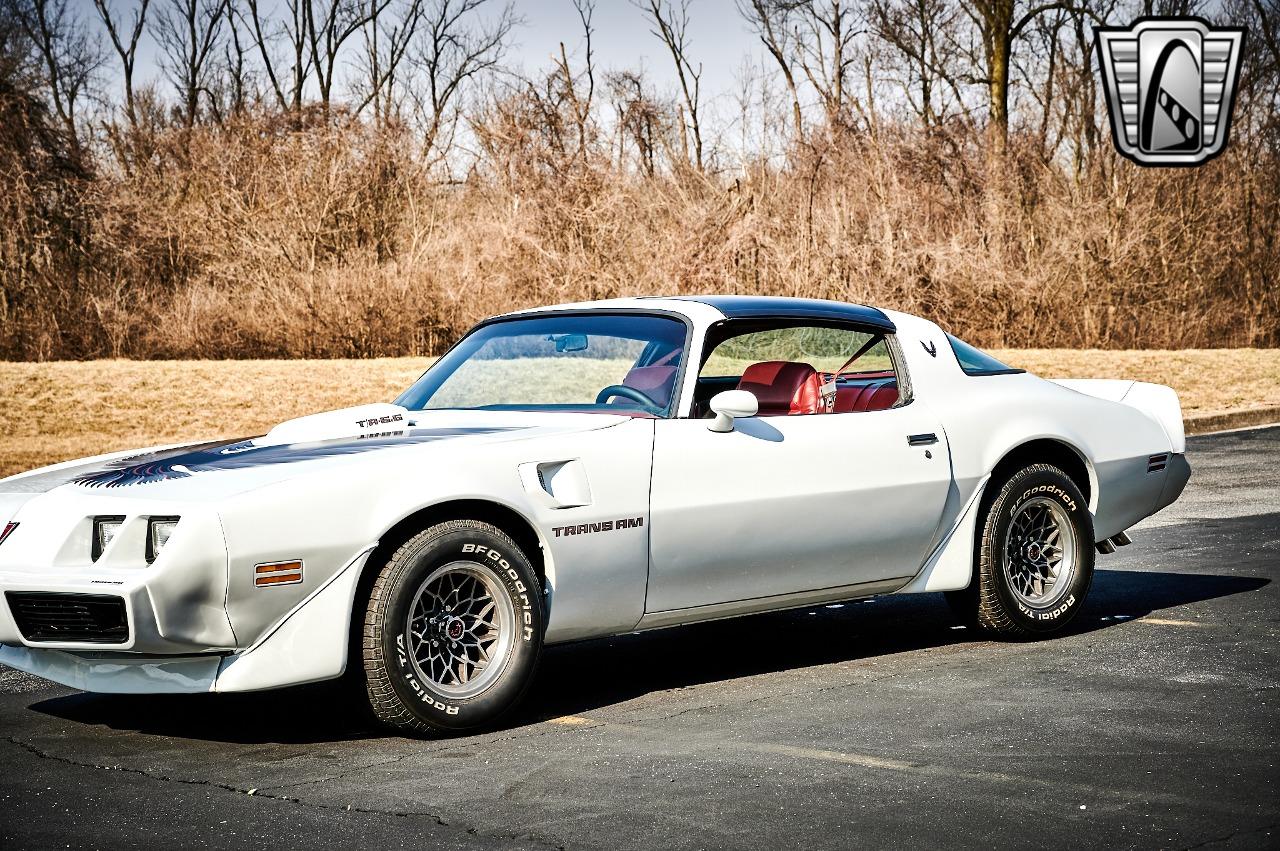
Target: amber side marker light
column 8, row 530
column 277, row 573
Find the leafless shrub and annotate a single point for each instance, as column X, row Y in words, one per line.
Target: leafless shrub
column 277, row 227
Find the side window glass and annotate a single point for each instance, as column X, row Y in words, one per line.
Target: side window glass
column 800, row 370
column 977, row 362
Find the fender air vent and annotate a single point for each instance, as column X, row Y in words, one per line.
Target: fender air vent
column 1156, row 463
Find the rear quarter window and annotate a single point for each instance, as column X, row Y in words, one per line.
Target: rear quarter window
column 977, row 362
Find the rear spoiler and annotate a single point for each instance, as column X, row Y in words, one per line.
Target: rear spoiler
column 1157, row 401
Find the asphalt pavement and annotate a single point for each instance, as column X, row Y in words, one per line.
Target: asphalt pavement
column 1152, row 723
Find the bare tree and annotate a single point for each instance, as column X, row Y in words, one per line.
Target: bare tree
column 670, row 20
column 1269, row 27
column 188, row 32
column 293, row 29
column 69, row 56
column 329, row 24
column 236, row 74
column 826, row 44
column 1000, row 23
column 386, row 41
column 921, row 34
column 125, row 43
column 1035, row 76
column 641, row 118
column 770, row 21
column 453, row 46
column 1079, row 86
column 19, row 69
column 765, row 122
column 1172, row 8
column 581, row 104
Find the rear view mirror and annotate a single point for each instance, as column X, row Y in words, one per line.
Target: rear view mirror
column 730, row 404
column 570, row 343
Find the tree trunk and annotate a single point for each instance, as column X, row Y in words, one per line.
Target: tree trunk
column 999, row 39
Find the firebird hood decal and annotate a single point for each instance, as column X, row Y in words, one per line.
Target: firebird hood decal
column 244, row 454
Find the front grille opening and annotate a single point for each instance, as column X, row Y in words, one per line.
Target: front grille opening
column 90, row 618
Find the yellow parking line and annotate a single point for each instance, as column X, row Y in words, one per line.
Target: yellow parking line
column 1169, row 622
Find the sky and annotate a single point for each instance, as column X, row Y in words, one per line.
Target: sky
column 719, row 39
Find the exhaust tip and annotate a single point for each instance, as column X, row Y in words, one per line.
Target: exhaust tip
column 1121, row 540
column 1105, row 547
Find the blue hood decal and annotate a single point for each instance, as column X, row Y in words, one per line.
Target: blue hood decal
column 243, row 454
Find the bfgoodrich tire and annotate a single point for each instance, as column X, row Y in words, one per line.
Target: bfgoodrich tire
column 1034, row 560
column 453, row 629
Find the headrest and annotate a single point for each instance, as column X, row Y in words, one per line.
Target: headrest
column 783, row 387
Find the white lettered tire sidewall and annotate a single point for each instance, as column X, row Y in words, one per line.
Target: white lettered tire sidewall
column 398, row 693
column 1000, row 608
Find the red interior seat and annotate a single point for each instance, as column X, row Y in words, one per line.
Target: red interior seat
column 874, row 395
column 656, row 382
column 884, row 396
column 783, row 387
column 848, row 396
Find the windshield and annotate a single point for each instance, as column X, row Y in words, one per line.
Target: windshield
column 622, row 364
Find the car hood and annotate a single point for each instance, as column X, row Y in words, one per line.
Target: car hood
column 296, row 447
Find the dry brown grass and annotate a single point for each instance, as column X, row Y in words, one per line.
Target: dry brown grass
column 1208, row 381
column 55, row 411
column 253, row 241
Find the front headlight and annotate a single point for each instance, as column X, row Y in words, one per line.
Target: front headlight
column 104, row 531
column 159, row 529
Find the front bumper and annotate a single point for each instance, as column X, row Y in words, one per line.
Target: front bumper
column 116, row 673
column 200, row 626
column 194, row 618
column 174, row 604
column 308, row 644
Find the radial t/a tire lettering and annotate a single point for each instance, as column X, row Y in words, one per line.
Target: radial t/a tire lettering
column 453, row 629
column 1034, row 559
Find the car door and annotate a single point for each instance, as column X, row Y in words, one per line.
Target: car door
column 783, row 505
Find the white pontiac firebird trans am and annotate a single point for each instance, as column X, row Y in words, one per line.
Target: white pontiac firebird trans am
column 579, row 471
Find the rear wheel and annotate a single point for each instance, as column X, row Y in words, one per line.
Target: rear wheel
column 453, row 629
column 1034, row 562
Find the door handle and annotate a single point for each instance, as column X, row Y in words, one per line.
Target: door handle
column 921, row 439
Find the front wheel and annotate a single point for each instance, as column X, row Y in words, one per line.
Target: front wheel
column 1034, row 561
column 453, row 629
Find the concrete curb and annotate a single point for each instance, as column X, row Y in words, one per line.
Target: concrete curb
column 1205, row 424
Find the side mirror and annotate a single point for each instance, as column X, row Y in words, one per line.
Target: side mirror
column 730, row 404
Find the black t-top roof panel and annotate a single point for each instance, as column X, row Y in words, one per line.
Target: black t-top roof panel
column 751, row 306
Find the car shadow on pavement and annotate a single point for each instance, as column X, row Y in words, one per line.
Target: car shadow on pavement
column 590, row 675
column 571, row 680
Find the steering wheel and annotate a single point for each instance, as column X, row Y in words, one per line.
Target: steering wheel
column 629, row 392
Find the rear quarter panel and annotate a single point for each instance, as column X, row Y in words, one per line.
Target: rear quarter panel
column 986, row 417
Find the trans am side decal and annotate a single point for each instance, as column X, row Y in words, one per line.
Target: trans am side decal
column 604, row 526
column 242, row 454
